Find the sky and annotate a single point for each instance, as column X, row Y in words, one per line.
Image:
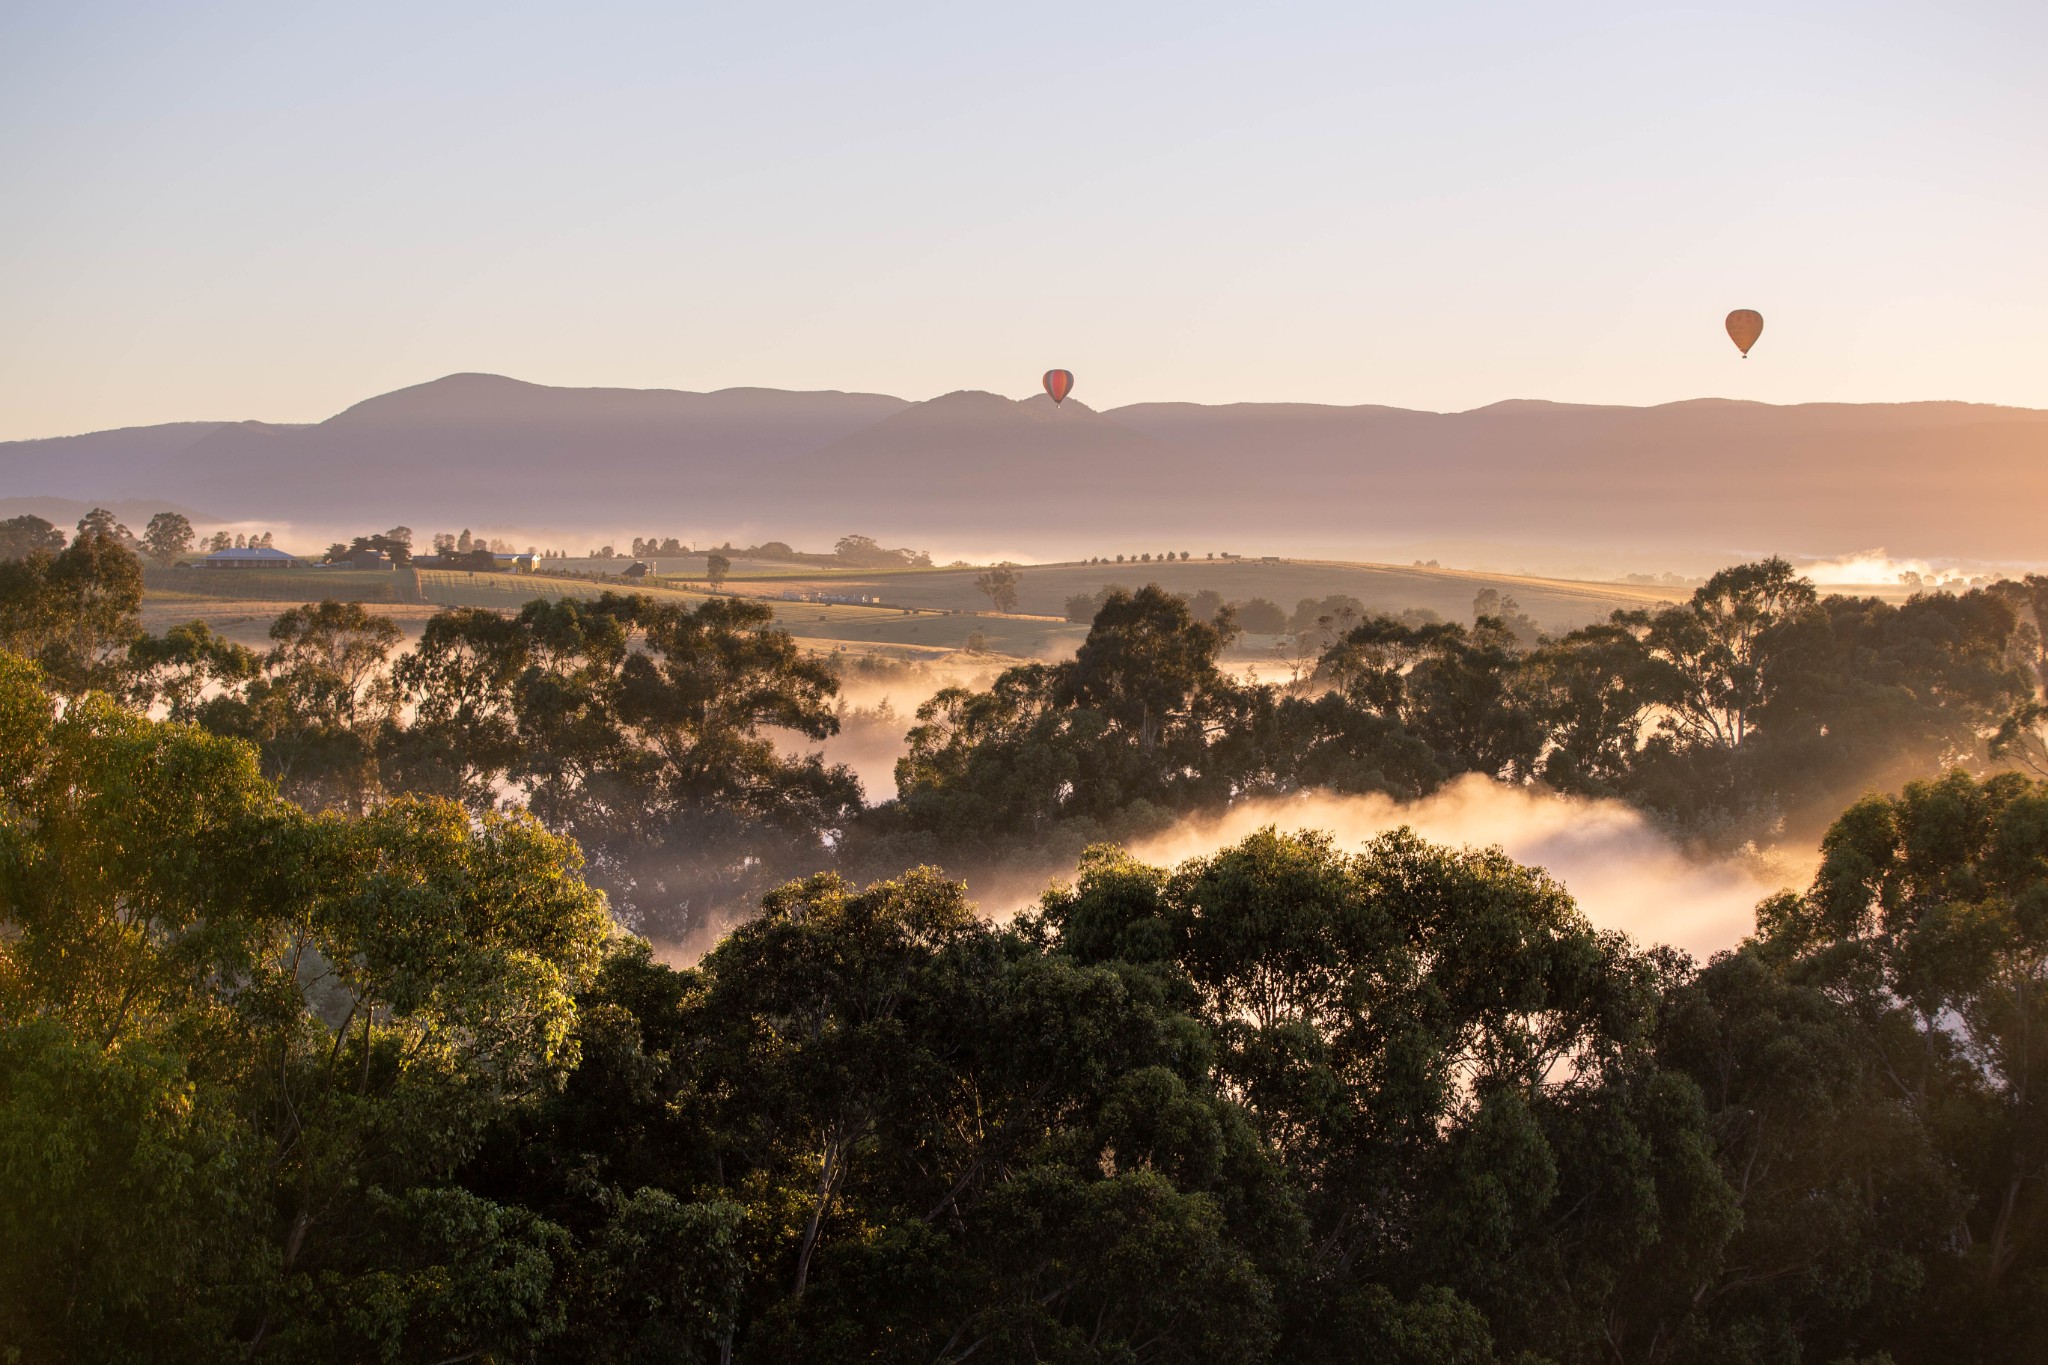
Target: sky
column 274, row 210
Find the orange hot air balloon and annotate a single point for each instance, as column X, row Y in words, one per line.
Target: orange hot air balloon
column 1745, row 325
column 1059, row 383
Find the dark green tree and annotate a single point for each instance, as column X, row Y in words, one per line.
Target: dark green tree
column 1929, row 917
column 185, row 667
column 168, row 535
column 244, row 1050
column 22, row 536
column 322, row 705
column 638, row 728
column 1453, row 1066
column 1261, row 617
column 1589, row 690
column 1452, row 689
column 75, row 611
column 459, row 681
column 99, row 523
column 1141, row 719
column 999, row 585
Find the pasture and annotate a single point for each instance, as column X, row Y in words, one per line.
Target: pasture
column 924, row 613
column 1043, row 589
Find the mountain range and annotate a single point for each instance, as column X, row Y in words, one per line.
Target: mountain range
column 1708, row 476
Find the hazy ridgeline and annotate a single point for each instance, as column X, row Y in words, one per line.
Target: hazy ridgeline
column 1597, row 480
column 319, row 1041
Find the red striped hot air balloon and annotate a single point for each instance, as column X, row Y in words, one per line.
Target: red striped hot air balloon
column 1059, row 383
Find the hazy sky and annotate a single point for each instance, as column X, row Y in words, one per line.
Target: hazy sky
column 272, row 210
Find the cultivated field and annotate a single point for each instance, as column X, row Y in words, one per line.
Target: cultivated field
column 924, row 613
column 1556, row 604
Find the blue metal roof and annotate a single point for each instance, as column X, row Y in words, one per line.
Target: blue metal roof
column 262, row 554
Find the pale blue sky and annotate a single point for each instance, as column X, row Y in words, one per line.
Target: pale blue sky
column 272, row 210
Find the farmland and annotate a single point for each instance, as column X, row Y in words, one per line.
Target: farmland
column 1557, row 604
column 921, row 612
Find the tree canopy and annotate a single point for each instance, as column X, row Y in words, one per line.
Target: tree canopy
column 326, row 1034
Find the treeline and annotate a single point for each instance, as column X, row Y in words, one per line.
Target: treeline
column 1753, row 707
column 317, row 1042
column 388, row 1086
column 856, row 551
column 165, row 537
column 1314, row 624
column 395, row 547
column 648, row 731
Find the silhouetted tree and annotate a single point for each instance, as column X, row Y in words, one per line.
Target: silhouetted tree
column 22, row 536
column 167, row 536
column 999, row 585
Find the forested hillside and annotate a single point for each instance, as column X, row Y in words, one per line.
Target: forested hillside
column 330, row 1030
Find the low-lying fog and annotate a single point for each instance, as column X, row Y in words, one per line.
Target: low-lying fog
column 876, row 713
column 1623, row 872
column 1620, row 868
column 1827, row 567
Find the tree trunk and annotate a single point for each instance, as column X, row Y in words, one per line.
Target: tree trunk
column 828, row 1181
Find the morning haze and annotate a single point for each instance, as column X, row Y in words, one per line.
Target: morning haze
column 1699, row 480
column 1138, row 685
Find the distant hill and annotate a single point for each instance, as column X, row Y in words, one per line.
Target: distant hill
column 1711, row 476
column 99, row 466
column 1944, row 478
column 964, row 451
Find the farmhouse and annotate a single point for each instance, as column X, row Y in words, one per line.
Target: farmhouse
column 255, row 557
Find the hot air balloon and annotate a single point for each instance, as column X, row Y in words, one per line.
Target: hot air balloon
column 1059, row 383
column 1745, row 325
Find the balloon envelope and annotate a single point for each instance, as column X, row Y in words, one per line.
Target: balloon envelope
column 1059, row 383
column 1745, row 325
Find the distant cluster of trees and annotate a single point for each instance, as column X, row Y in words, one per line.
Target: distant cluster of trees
column 394, row 545
column 1147, row 557
column 167, row 538
column 317, row 1042
column 1315, row 623
column 854, row 551
column 450, row 549
column 863, row 552
column 168, row 535
column 1754, row 704
column 446, row 544
column 650, row 546
column 236, row 540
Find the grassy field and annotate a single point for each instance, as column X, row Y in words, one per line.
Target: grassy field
column 509, row 592
column 925, row 612
column 907, row 630
column 280, row 585
column 1556, row 604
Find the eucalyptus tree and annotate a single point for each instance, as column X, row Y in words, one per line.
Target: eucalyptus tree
column 245, row 1050
column 75, row 610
